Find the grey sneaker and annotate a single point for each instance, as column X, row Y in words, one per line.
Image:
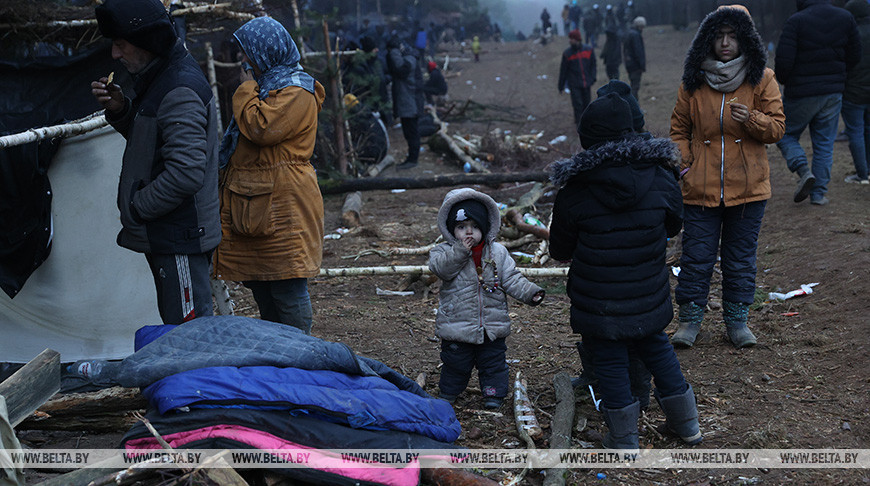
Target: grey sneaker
column 804, row 186
column 819, row 201
column 854, row 179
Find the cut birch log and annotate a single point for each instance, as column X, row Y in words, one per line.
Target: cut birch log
column 562, row 424
column 29, row 387
column 524, row 414
column 422, row 250
column 221, row 293
column 422, row 269
column 376, row 169
column 77, row 127
column 542, row 253
column 374, row 184
column 454, row 148
column 350, row 211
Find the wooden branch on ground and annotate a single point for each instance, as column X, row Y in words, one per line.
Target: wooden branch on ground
column 524, row 414
column 542, row 254
column 223, row 302
column 109, row 410
column 518, row 242
column 376, row 169
column 453, row 477
column 451, row 143
column 528, row 200
column 29, row 387
column 422, row 250
column 350, row 210
column 516, row 219
column 375, row 184
column 424, row 270
column 561, row 425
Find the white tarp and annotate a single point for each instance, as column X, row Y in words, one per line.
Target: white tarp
column 89, row 297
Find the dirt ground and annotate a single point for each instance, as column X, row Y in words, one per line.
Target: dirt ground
column 803, row 386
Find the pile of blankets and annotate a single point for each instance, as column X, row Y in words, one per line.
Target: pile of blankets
column 235, row 382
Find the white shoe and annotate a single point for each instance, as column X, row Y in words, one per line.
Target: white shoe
column 854, row 179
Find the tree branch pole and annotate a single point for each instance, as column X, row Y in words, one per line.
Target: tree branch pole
column 212, row 81
column 337, row 122
column 77, row 127
column 424, row 270
column 373, row 184
column 222, row 7
column 451, row 143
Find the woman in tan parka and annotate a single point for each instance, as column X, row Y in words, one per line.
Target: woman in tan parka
column 271, row 207
column 728, row 107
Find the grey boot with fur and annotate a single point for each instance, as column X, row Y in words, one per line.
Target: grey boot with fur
column 681, row 412
column 621, row 427
column 736, row 316
column 691, row 315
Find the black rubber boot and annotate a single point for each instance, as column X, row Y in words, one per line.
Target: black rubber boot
column 736, row 316
column 691, row 315
column 681, row 412
column 622, row 427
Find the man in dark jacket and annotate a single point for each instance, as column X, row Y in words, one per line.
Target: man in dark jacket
column 612, row 52
column 618, row 202
column 634, row 54
column 403, row 69
column 856, row 98
column 577, row 73
column 818, row 45
column 168, row 192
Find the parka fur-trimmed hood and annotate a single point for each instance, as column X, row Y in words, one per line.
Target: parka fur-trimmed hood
column 462, row 194
column 751, row 45
column 661, row 151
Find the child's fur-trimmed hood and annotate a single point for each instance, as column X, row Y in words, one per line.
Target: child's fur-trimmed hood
column 751, row 45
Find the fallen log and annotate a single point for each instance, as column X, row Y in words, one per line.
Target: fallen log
column 424, row 270
column 107, row 410
column 29, row 387
column 513, row 216
column 376, row 169
column 524, row 414
column 453, row 477
column 561, row 426
column 375, row 184
column 350, row 211
column 451, row 144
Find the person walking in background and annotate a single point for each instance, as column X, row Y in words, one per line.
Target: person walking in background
column 577, row 72
column 612, row 52
column 618, row 202
column 818, row 45
column 402, row 67
column 168, row 191
column 475, row 48
column 634, row 54
column 728, row 107
column 271, row 207
column 856, row 97
column 592, row 25
column 545, row 22
column 575, row 15
column 566, row 19
column 477, row 274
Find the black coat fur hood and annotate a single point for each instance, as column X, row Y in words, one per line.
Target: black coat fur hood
column 750, row 41
column 618, row 173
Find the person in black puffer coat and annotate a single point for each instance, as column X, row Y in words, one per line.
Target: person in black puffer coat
column 617, row 204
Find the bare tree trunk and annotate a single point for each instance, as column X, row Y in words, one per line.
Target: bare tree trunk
column 338, row 120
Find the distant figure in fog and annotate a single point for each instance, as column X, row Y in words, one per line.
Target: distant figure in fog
column 577, row 73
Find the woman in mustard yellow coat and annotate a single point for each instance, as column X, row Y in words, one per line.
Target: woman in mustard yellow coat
column 728, row 107
column 271, row 207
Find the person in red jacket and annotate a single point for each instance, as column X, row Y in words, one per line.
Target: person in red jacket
column 577, row 73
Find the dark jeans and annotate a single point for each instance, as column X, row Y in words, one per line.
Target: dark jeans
column 736, row 227
column 284, row 301
column 461, row 358
column 183, row 285
column 634, row 80
column 611, row 362
column 580, row 98
column 412, row 136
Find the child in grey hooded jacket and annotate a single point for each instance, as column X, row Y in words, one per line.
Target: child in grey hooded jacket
column 477, row 274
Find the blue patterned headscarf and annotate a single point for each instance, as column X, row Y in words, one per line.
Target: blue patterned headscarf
column 268, row 44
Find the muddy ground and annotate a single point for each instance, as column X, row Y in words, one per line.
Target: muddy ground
column 805, row 384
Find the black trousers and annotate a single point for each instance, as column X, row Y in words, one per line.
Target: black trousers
column 461, row 358
column 580, row 99
column 183, row 286
column 412, row 136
